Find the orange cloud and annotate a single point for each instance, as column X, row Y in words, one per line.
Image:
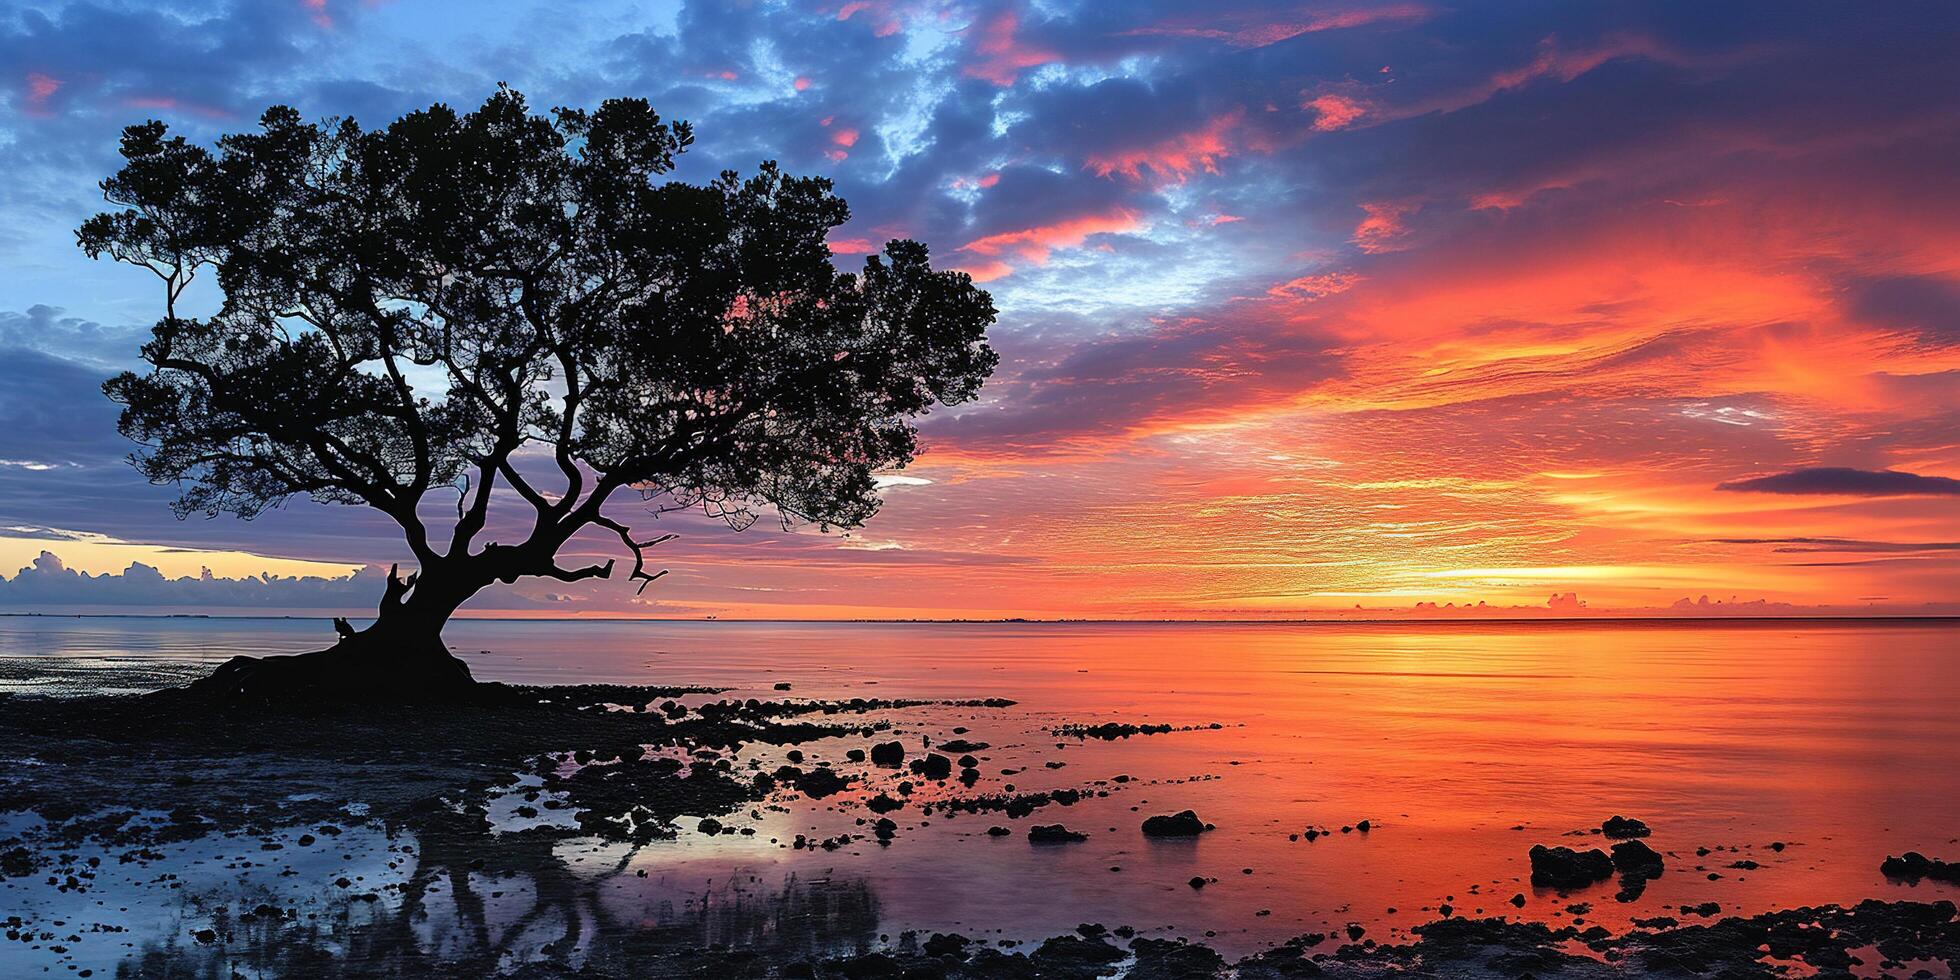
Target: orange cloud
column 1177, row 157
column 1033, row 244
column 1335, row 112
column 1315, row 287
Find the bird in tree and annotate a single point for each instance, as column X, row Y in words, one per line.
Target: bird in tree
column 417, row 316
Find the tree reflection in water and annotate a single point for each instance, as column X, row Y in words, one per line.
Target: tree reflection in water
column 479, row 903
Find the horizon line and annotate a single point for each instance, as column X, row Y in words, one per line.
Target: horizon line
column 1064, row 621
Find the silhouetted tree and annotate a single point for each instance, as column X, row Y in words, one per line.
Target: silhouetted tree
column 413, row 312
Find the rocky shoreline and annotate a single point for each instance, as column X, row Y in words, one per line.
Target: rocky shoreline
column 494, row 791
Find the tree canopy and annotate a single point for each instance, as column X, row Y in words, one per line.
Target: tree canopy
column 430, row 306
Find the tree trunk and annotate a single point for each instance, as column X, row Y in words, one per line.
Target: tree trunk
column 399, row 657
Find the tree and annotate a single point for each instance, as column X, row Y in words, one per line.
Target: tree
column 458, row 303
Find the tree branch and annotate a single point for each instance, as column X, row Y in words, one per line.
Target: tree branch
column 576, row 574
column 640, row 573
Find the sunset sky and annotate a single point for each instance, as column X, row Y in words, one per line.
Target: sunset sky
column 1303, row 306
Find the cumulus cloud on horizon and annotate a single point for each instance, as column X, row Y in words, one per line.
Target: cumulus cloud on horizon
column 48, row 582
column 1845, row 481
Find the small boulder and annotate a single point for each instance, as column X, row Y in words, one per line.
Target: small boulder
column 1913, row 866
column 888, row 754
column 1183, row 824
column 942, row 944
column 819, row 783
column 1635, row 859
column 1054, row 833
column 1623, row 828
column 1563, row 867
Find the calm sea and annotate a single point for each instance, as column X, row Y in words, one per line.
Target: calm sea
column 1462, row 744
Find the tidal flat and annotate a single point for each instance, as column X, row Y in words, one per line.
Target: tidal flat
column 971, row 800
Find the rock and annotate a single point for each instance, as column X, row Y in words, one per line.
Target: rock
column 1054, row 833
column 960, row 746
column 1197, row 881
column 888, row 754
column 1073, row 956
column 782, row 685
column 1636, row 860
column 883, row 803
column 998, row 831
column 709, row 826
column 1518, row 900
column 933, row 766
column 819, row 783
column 1623, row 828
column 1563, row 867
column 1182, row 824
column 941, row 944
column 855, row 755
column 1913, row 866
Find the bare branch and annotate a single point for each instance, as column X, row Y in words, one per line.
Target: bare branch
column 640, row 573
column 576, row 574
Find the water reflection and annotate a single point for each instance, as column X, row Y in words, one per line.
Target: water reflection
column 1463, row 745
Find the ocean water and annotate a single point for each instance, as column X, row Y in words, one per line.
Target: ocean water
column 1461, row 744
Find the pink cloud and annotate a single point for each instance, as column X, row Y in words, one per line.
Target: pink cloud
column 1383, row 228
column 1242, row 32
column 1002, row 55
column 884, row 20
column 802, row 83
column 851, row 246
column 844, row 136
column 1316, row 286
column 40, row 88
column 165, row 103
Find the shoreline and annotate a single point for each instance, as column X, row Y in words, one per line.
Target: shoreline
column 1492, row 620
column 444, row 794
